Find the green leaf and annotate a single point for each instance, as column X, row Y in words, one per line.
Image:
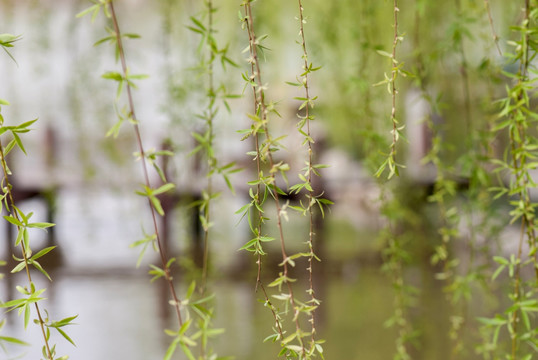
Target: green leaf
column 94, row 8
column 384, row 53
column 26, row 315
column 112, row 75
column 138, row 77
column 198, row 23
column 249, row 244
column 66, row 336
column 40, row 225
column 13, row 220
column 170, row 262
column 163, row 189
column 492, row 321
column 171, row 349
column 40, row 268
column 190, row 290
column 9, row 147
column 13, row 340
column 501, row 260
column 157, row 205
column 156, row 272
column 497, row 272
column 132, row 36
column 19, row 267
column 7, row 40
column 186, row 350
column 13, row 304
column 24, row 125
column 63, row 322
column 115, row 129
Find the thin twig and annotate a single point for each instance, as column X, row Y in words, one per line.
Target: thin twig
column 309, row 177
column 518, row 135
column 465, row 79
column 211, row 116
column 393, row 85
column 262, row 108
column 493, row 32
column 163, row 256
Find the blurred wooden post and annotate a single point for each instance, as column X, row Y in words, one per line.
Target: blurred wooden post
column 169, row 201
column 418, row 111
column 45, row 192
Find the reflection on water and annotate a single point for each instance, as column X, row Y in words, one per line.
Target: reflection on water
column 119, row 319
column 121, row 312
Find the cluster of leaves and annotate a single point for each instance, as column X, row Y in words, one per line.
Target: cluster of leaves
column 16, row 217
column 126, row 82
column 445, row 190
column 447, row 167
column 265, row 187
column 395, row 254
column 6, row 41
column 184, row 337
column 199, row 338
column 197, row 331
column 209, row 52
column 517, row 116
column 390, row 162
column 396, row 257
column 311, row 169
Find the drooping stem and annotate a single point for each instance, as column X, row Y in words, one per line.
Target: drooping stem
column 210, row 120
column 132, row 113
column 394, row 73
column 493, row 32
column 395, row 70
column 258, row 196
column 262, row 110
column 310, row 172
column 520, row 171
column 465, row 81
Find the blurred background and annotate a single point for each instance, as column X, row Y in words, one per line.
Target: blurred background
column 85, row 182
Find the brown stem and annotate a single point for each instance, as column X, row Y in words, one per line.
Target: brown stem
column 310, row 195
column 465, row 80
column 522, row 179
column 258, row 163
column 517, row 291
column 393, row 85
column 211, row 163
column 494, row 34
column 163, row 256
column 259, row 97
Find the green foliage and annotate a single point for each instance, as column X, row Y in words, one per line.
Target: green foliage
column 516, row 115
column 19, row 219
column 482, row 156
column 8, row 339
column 6, row 41
column 152, row 194
column 396, row 258
column 397, row 129
column 125, row 81
column 288, row 307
